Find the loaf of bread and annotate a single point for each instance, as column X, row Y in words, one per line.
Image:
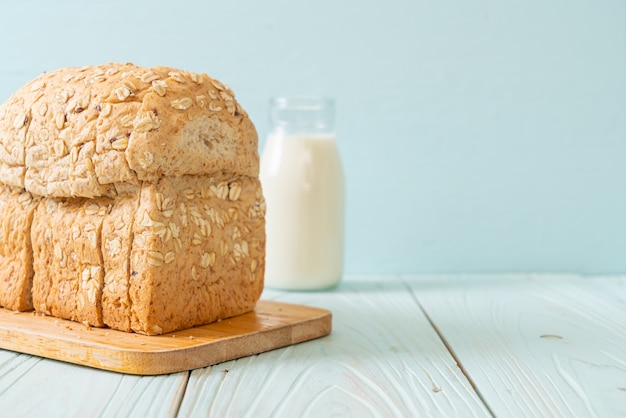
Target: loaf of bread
column 129, row 198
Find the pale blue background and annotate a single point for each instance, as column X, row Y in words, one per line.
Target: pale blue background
column 476, row 136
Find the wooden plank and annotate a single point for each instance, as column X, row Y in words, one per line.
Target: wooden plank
column 535, row 345
column 271, row 325
column 36, row 387
column 382, row 359
column 616, row 285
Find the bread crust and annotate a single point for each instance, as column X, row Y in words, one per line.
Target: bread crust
column 77, row 132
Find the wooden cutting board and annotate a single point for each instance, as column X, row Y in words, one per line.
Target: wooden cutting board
column 271, row 325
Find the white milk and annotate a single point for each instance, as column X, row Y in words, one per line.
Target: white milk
column 303, row 185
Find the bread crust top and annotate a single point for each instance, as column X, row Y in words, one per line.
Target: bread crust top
column 94, row 131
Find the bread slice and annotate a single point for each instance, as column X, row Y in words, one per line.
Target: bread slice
column 198, row 251
column 68, row 265
column 116, row 242
column 16, row 262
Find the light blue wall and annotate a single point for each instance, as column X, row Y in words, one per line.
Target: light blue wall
column 476, row 135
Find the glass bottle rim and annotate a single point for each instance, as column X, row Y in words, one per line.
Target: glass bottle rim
column 302, row 102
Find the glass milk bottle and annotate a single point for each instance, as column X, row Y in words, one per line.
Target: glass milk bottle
column 303, row 185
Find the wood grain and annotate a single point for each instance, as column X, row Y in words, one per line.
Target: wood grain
column 382, row 359
column 37, row 387
column 271, row 325
column 531, row 345
column 535, row 346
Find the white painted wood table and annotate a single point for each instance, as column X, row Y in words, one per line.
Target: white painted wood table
column 495, row 345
